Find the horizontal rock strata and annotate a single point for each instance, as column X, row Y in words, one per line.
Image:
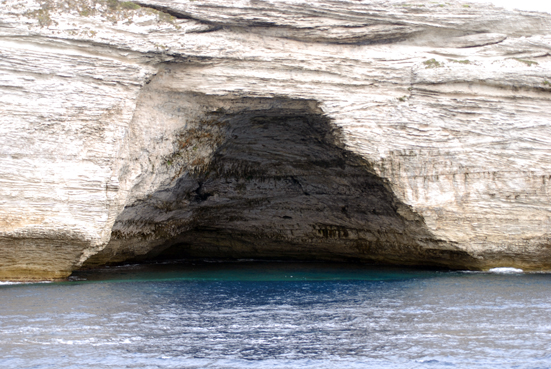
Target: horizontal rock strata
column 407, row 133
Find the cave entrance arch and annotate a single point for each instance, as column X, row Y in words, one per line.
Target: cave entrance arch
column 277, row 183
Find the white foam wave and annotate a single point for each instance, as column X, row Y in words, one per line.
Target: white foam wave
column 10, row 283
column 505, row 270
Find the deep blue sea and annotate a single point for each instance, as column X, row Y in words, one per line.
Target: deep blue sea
column 277, row 315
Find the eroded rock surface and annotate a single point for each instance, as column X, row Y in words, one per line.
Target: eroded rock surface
column 411, row 133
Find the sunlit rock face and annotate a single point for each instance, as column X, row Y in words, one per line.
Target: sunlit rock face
column 353, row 130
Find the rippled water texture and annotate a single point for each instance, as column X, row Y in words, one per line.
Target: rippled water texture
column 276, row 315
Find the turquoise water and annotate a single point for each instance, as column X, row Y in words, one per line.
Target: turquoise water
column 277, row 315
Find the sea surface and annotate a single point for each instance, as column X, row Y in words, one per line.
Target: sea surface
column 277, row 315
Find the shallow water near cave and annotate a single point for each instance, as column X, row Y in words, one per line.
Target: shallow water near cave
column 277, row 315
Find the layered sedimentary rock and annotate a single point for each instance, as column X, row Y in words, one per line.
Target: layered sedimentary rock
column 408, row 133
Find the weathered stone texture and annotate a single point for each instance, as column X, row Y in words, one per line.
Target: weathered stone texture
column 413, row 133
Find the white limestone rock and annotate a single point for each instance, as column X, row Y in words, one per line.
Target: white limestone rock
column 118, row 124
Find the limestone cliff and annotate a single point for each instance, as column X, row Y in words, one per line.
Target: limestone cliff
column 404, row 132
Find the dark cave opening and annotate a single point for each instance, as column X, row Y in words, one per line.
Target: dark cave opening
column 279, row 185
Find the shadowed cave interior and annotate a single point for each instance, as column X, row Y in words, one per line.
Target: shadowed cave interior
column 270, row 179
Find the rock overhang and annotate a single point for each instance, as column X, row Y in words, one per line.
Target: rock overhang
column 268, row 178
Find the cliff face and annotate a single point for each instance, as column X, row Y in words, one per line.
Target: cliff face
column 411, row 133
